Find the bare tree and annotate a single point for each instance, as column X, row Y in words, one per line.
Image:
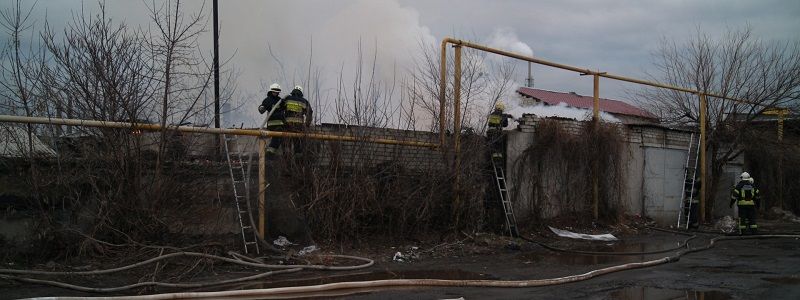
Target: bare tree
column 181, row 72
column 484, row 82
column 20, row 69
column 735, row 65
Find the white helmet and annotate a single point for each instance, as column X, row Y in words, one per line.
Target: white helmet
column 500, row 105
column 275, row 87
column 299, row 88
column 746, row 176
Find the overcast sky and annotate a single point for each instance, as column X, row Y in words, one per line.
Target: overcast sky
column 612, row 36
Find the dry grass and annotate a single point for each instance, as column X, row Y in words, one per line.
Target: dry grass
column 561, row 166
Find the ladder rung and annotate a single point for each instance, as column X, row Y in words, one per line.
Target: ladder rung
column 247, row 227
column 242, row 211
column 249, row 243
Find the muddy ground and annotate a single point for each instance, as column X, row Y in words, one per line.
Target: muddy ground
column 747, row 269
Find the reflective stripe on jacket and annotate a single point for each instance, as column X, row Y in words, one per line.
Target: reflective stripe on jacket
column 495, row 120
column 745, row 194
column 294, row 120
column 296, row 110
column 295, row 106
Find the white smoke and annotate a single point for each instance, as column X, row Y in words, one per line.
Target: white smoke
column 505, row 38
column 345, row 35
column 265, row 42
column 561, row 110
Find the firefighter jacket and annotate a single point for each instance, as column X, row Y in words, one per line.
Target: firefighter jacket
column 297, row 110
column 498, row 120
column 276, row 119
column 694, row 195
column 745, row 194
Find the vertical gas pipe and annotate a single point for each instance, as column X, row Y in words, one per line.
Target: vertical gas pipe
column 596, row 163
column 262, row 186
column 703, row 137
column 457, row 125
column 442, row 90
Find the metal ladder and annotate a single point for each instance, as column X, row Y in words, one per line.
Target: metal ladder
column 508, row 209
column 239, row 168
column 689, row 175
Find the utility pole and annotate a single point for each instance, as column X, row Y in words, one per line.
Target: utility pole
column 216, row 76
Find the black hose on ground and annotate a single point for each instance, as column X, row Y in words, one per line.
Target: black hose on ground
column 734, row 233
column 684, row 244
column 393, row 283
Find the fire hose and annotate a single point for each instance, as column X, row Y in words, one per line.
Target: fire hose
column 394, row 283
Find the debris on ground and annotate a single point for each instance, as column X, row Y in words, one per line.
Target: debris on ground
column 726, row 224
column 411, row 254
column 513, row 246
column 785, row 215
column 282, row 241
column 307, row 250
column 583, row 236
column 399, row 257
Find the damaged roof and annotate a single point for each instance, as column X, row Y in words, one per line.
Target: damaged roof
column 14, row 143
column 575, row 100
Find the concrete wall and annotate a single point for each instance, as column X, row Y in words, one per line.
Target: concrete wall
column 654, row 172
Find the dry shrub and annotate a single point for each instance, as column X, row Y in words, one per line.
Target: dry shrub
column 774, row 165
column 105, row 189
column 560, row 166
column 348, row 190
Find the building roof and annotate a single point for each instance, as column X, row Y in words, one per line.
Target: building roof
column 575, row 100
column 14, row 143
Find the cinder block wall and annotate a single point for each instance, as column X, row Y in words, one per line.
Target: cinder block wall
column 655, row 156
column 653, row 174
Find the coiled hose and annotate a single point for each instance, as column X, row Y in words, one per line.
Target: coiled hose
column 393, row 283
column 282, row 269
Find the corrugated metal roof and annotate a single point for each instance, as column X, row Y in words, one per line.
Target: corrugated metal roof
column 14, row 143
column 575, row 100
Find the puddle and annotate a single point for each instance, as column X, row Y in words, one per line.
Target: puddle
column 576, row 259
column 627, row 247
column 558, row 258
column 728, row 269
column 794, row 280
column 362, row 276
column 334, row 294
column 635, row 293
column 367, row 276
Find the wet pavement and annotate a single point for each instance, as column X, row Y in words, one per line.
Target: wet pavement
column 649, row 293
column 749, row 269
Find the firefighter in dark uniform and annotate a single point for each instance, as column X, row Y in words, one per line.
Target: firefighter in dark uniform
column 297, row 114
column 273, row 104
column 497, row 121
column 747, row 198
column 694, row 202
